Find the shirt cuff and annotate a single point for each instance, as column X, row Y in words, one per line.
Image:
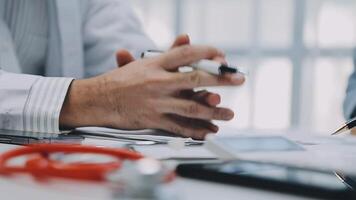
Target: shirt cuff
column 44, row 103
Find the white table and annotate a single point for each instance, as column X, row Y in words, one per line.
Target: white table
column 18, row 188
column 186, row 189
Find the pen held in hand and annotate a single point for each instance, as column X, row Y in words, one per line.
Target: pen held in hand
column 209, row 66
column 347, row 126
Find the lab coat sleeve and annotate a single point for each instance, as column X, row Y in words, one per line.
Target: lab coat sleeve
column 31, row 103
column 350, row 100
column 110, row 25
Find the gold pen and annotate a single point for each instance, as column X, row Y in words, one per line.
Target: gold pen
column 347, row 126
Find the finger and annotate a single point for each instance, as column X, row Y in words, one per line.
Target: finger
column 195, row 123
column 186, row 94
column 207, row 98
column 187, row 127
column 202, row 96
column 199, row 78
column 185, row 55
column 123, row 57
column 181, row 40
column 192, row 109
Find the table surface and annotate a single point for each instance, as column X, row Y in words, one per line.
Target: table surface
column 183, row 189
column 24, row 187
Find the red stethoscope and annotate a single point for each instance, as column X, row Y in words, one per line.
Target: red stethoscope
column 40, row 164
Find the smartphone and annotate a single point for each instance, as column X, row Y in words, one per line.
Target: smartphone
column 281, row 178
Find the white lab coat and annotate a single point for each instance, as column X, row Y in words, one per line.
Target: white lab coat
column 83, row 38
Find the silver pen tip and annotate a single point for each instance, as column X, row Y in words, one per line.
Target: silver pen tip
column 340, row 130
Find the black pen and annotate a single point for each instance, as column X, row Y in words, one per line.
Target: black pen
column 348, row 181
column 347, row 126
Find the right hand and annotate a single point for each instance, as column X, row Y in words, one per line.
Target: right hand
column 146, row 94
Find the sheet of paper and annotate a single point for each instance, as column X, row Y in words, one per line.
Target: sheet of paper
column 144, row 135
column 165, row 152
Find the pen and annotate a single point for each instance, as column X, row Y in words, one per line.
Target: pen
column 347, row 126
column 349, row 182
column 209, row 66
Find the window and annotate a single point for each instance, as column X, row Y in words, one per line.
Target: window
column 298, row 53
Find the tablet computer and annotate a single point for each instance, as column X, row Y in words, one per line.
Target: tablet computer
column 277, row 177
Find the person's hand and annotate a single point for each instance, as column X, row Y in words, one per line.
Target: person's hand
column 147, row 93
column 202, row 96
column 124, row 57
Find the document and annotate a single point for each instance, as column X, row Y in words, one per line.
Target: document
column 155, row 136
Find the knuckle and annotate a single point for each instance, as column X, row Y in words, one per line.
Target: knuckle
column 179, row 78
column 195, row 77
column 192, row 109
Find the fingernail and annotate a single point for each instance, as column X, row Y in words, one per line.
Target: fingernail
column 238, row 78
column 214, row 128
column 214, row 99
column 229, row 115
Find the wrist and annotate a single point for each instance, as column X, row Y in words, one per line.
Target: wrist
column 80, row 107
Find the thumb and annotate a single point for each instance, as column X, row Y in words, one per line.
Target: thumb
column 181, row 40
column 123, row 57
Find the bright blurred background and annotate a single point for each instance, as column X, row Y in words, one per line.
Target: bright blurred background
column 298, row 53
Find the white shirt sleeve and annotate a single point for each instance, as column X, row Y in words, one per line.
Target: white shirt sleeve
column 31, row 103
